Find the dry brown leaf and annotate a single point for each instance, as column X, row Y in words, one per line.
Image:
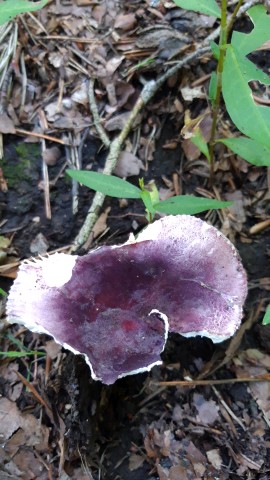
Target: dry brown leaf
column 208, row 411
column 213, row 456
column 237, row 209
column 176, row 472
column 135, row 461
column 189, row 94
column 125, row 21
column 117, row 122
column 204, row 122
column 11, row 419
column 39, row 245
column 6, row 124
column 51, row 156
column 128, row 165
column 101, row 223
column 52, row 348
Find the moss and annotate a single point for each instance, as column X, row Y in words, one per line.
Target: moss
column 20, row 168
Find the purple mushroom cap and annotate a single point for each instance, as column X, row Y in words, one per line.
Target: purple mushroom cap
column 116, row 305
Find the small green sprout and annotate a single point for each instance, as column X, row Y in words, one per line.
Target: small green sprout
column 116, row 187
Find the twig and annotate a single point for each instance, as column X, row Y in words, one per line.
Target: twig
column 46, row 183
column 94, row 109
column 19, row 131
column 45, row 173
column 148, row 92
column 192, row 383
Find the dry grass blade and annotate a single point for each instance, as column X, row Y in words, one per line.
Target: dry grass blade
column 190, row 383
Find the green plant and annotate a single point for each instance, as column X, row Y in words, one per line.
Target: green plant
column 234, row 72
column 24, row 351
column 116, row 187
column 10, row 8
column 266, row 318
column 231, row 79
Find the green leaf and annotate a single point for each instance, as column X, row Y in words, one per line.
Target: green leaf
column 246, row 43
column 208, row 7
column 10, row 8
column 2, row 292
column 188, row 205
column 106, row 184
column 266, row 318
column 251, row 119
column 213, row 86
column 153, row 192
column 21, row 354
column 215, row 49
column 146, row 198
column 249, row 149
column 200, row 142
column 250, row 71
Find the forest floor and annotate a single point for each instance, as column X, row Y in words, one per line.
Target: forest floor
column 55, row 421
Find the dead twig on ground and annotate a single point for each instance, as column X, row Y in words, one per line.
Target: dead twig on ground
column 94, row 109
column 148, row 92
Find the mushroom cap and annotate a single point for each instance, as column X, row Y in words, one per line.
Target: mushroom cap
column 115, row 305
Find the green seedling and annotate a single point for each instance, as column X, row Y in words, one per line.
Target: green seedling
column 231, row 80
column 116, row 187
column 10, row 8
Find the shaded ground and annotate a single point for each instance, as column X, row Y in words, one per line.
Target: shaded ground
column 56, row 422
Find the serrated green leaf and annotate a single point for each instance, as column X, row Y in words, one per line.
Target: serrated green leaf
column 208, row 7
column 247, row 148
column 251, row 119
column 266, row 318
column 248, row 42
column 106, row 184
column 10, row 8
column 189, row 205
column 199, row 141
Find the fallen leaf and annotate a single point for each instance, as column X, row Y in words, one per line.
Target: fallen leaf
column 6, row 124
column 11, row 419
column 128, row 165
column 189, row 94
column 39, row 245
column 208, row 411
column 51, row 156
column 214, row 458
column 135, row 461
column 125, row 22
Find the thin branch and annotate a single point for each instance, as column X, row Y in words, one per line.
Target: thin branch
column 94, row 109
column 148, row 92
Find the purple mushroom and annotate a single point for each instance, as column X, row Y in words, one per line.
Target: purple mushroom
column 116, row 305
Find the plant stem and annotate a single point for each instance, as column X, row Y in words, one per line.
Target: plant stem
column 216, row 101
column 233, row 17
column 224, row 33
